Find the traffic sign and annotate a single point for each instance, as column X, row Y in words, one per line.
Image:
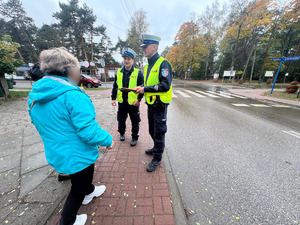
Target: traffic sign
column 275, row 59
column 294, row 58
column 86, row 64
column 189, row 69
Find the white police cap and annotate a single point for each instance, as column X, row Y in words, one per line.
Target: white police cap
column 148, row 39
column 128, row 52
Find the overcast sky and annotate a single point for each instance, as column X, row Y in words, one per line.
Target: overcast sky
column 164, row 16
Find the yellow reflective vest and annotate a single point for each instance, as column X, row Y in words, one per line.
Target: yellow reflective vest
column 153, row 79
column 132, row 84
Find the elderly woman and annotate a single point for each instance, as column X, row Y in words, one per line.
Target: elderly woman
column 65, row 118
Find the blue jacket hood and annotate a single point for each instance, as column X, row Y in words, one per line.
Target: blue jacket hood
column 50, row 87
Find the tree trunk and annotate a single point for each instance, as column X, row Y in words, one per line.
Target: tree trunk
column 267, row 49
column 92, row 48
column 253, row 63
column 235, row 48
column 248, row 59
column 83, row 47
column 4, row 86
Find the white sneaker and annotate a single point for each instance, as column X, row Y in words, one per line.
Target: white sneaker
column 99, row 190
column 80, row 219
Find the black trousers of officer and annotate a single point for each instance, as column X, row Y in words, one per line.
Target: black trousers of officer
column 157, row 120
column 134, row 114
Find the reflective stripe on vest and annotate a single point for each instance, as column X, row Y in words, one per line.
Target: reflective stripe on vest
column 153, row 79
column 132, row 84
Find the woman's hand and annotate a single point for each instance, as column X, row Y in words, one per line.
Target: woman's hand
column 112, row 145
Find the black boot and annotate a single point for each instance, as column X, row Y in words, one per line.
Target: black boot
column 149, row 151
column 133, row 142
column 122, row 137
column 153, row 165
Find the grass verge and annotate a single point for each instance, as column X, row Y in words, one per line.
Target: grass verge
column 283, row 95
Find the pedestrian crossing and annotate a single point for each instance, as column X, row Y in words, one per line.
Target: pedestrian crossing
column 260, row 105
column 219, row 95
column 205, row 94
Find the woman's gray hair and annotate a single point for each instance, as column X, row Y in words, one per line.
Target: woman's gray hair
column 58, row 61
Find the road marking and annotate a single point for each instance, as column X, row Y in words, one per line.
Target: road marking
column 174, row 96
column 210, row 95
column 226, row 96
column 194, row 93
column 243, row 105
column 281, row 106
column 230, row 94
column 293, row 133
column 183, row 94
column 259, row 105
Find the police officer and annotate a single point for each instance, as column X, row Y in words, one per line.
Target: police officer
column 128, row 102
column 158, row 94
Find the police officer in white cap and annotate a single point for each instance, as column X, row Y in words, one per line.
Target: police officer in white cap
column 128, row 102
column 158, row 95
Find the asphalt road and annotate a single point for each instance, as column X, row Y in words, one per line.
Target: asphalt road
column 235, row 160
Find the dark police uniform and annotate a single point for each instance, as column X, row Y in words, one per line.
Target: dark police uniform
column 157, row 112
column 124, row 108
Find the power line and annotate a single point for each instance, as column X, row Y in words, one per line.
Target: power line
column 133, row 3
column 125, row 10
column 112, row 25
column 128, row 7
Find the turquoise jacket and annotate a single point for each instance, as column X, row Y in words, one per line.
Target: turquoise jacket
column 65, row 118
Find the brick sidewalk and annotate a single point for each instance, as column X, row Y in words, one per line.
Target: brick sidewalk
column 133, row 196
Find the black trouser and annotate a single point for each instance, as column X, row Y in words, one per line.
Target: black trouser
column 81, row 186
column 134, row 114
column 157, row 120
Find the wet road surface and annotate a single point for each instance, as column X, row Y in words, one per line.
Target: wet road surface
column 235, row 160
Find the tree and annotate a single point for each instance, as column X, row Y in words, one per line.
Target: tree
column 166, row 51
column 8, row 61
column 138, row 26
column 188, row 50
column 20, row 27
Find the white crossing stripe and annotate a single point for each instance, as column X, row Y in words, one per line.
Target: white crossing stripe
column 243, row 105
column 226, row 96
column 210, row 95
column 183, row 94
column 293, row 133
column 174, row 96
column 259, row 105
column 281, row 106
column 230, row 94
column 194, row 93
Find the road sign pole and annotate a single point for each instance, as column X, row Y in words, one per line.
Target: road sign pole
column 282, row 59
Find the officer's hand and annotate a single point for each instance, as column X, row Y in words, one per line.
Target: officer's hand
column 140, row 90
column 136, row 103
column 113, row 103
column 112, row 145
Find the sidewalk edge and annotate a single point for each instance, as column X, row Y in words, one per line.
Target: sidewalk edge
column 177, row 204
column 267, row 100
column 55, row 204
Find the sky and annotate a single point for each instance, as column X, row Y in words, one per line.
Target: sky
column 164, row 16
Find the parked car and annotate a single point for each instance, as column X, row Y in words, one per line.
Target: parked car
column 89, row 82
column 10, row 77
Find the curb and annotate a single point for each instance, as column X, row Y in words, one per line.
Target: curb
column 55, row 204
column 268, row 100
column 177, row 204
